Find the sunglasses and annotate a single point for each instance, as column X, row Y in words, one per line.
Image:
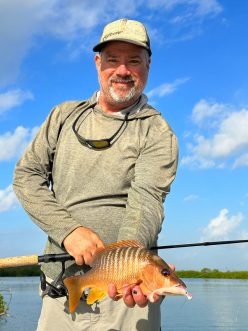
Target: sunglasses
column 97, row 144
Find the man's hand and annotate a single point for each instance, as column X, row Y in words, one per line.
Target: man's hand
column 132, row 294
column 82, row 244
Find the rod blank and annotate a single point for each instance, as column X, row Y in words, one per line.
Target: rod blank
column 19, row 261
column 207, row 243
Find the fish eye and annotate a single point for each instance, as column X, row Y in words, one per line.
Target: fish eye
column 165, row 272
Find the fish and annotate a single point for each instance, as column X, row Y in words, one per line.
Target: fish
column 126, row 262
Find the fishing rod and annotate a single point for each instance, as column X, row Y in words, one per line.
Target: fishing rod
column 30, row 260
column 207, row 243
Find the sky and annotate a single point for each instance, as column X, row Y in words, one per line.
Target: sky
column 198, row 80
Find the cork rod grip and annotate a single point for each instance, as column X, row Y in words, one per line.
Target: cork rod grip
column 18, row 261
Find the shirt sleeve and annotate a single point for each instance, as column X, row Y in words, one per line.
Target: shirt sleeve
column 32, row 182
column 155, row 170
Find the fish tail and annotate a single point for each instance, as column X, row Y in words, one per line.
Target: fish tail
column 75, row 286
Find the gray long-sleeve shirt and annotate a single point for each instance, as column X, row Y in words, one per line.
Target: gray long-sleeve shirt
column 117, row 192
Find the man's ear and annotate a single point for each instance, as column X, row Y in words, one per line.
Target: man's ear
column 97, row 59
column 149, row 63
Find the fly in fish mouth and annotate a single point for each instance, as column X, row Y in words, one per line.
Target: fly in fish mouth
column 183, row 287
column 180, row 285
column 177, row 289
column 189, row 295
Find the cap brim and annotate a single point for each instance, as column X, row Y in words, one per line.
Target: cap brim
column 100, row 46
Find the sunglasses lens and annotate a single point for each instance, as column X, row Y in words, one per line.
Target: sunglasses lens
column 99, row 143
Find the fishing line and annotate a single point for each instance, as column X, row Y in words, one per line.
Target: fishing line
column 65, row 257
column 35, row 259
column 207, row 243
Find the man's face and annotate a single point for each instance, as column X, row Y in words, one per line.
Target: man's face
column 123, row 71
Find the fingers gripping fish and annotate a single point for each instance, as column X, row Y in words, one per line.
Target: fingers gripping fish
column 124, row 263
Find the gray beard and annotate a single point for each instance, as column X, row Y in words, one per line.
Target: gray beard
column 119, row 99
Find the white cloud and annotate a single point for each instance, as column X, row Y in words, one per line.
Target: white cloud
column 191, row 198
column 205, row 110
column 75, row 22
column 13, row 98
column 186, row 16
column 197, row 7
column 8, row 199
column 22, row 21
column 166, row 88
column 201, row 7
column 222, row 226
column 241, row 161
column 13, row 144
column 227, row 143
column 206, row 7
column 19, row 21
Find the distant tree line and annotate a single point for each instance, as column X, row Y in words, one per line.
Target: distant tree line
column 204, row 273
column 213, row 273
column 20, row 271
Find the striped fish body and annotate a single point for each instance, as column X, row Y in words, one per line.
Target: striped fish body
column 124, row 263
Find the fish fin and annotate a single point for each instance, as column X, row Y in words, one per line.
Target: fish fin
column 75, row 291
column 94, row 295
column 118, row 244
column 138, row 282
column 118, row 296
column 125, row 243
column 120, row 289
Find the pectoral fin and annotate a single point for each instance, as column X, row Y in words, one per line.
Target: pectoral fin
column 94, row 295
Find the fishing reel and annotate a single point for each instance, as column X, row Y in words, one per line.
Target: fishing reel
column 56, row 288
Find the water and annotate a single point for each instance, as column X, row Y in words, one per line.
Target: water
column 217, row 305
column 25, row 303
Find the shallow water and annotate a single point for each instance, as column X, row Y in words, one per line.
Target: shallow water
column 24, row 305
column 217, row 305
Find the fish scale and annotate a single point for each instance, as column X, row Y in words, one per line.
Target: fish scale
column 124, row 263
column 113, row 266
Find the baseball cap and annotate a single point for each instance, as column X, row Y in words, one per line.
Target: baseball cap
column 130, row 31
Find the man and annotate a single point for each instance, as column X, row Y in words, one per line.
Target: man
column 85, row 190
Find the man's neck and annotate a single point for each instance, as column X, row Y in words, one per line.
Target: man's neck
column 114, row 107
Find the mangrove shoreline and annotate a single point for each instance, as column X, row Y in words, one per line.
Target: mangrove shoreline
column 204, row 273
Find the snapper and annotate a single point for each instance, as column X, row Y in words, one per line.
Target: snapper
column 124, row 263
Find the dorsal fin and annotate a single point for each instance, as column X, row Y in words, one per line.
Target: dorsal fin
column 118, row 244
column 124, row 243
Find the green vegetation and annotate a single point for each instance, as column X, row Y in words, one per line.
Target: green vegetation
column 204, row 273
column 213, row 273
column 20, row 271
column 3, row 306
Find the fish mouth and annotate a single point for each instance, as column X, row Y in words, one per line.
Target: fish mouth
column 184, row 289
column 182, row 286
column 177, row 289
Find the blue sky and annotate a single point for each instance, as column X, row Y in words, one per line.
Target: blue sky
column 198, row 80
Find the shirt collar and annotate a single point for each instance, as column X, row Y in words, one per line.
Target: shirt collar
column 133, row 109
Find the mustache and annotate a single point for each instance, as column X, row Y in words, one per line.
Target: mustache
column 122, row 80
